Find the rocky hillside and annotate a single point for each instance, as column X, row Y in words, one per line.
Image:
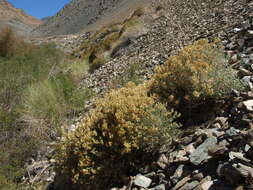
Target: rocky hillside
column 166, row 31
column 86, row 14
column 16, row 18
column 215, row 153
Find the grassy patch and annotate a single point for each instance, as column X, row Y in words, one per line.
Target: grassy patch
column 130, row 75
column 48, row 103
column 37, row 94
column 78, row 69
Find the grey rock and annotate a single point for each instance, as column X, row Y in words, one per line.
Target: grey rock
column 250, row 137
column 224, row 142
column 250, row 95
column 231, row 46
column 206, row 185
column 248, row 105
column 218, row 150
column 181, row 183
column 189, row 148
column 186, row 140
column 142, row 181
column 223, row 121
column 207, row 178
column 211, row 132
column 250, row 32
column 232, row 132
column 150, row 175
column 159, row 187
column 190, row 186
column 178, row 174
column 201, row 153
column 247, row 79
column 181, row 156
column 217, row 132
column 198, row 176
column 237, row 29
column 244, row 170
column 238, row 155
column 244, row 72
column 53, row 161
column 162, row 161
column 247, row 148
column 233, row 59
column 235, row 92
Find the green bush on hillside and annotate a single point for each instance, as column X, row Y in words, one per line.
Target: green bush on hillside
column 36, row 96
column 6, row 184
column 14, row 151
column 11, row 45
column 19, row 72
column 48, row 102
column 124, row 123
column 197, row 74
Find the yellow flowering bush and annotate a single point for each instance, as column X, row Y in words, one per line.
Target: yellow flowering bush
column 124, row 122
column 196, row 74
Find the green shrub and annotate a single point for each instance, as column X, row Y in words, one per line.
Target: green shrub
column 131, row 75
column 19, row 72
column 78, row 69
column 96, row 63
column 138, row 12
column 5, row 184
column 14, row 151
column 124, row 122
column 48, row 103
column 197, row 74
column 22, row 66
column 12, row 45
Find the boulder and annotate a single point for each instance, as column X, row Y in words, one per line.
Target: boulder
column 201, row 153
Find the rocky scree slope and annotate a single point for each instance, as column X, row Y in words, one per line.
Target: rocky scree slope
column 17, row 19
column 81, row 15
column 166, row 31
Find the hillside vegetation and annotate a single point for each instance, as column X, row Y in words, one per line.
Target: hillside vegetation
column 38, row 93
column 36, row 96
column 132, row 121
column 162, row 100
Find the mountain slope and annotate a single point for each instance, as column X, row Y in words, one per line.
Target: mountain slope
column 17, row 19
column 169, row 25
column 83, row 14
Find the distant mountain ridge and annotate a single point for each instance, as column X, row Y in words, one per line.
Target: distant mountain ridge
column 81, row 14
column 16, row 18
